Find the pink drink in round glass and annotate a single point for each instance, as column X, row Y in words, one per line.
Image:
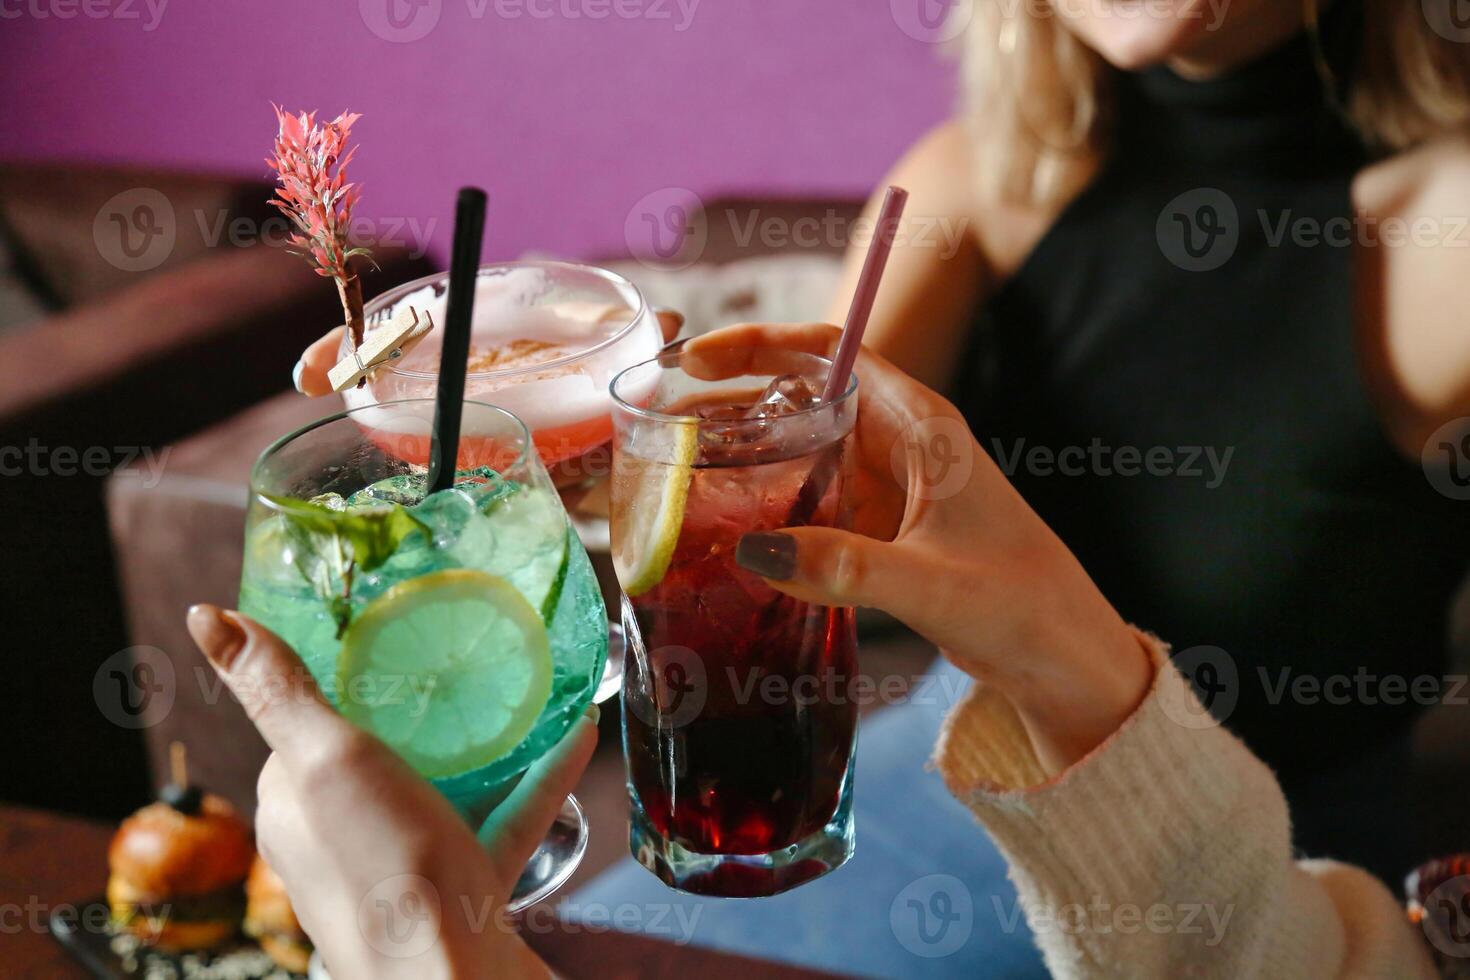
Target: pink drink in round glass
column 548, row 337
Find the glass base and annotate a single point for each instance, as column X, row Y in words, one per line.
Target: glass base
column 557, row 856
column 743, row 875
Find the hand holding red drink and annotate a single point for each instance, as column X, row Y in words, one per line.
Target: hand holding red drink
column 943, row 542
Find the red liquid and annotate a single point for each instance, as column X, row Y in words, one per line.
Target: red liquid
column 739, row 718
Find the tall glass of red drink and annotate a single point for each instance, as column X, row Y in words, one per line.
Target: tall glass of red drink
column 738, row 724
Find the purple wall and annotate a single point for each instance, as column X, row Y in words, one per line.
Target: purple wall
column 568, row 121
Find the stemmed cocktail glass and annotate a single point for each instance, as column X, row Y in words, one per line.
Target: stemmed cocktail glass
column 466, row 628
column 547, row 339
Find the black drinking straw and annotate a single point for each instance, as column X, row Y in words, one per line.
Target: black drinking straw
column 454, row 356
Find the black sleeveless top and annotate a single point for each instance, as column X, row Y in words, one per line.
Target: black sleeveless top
column 1166, row 317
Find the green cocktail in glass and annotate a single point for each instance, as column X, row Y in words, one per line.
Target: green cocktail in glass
column 465, row 629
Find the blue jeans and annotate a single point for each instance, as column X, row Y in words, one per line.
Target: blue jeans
column 926, row 893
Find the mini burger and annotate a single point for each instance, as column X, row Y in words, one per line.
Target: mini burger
column 270, row 920
column 178, row 870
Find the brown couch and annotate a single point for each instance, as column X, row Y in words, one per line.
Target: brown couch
column 140, row 340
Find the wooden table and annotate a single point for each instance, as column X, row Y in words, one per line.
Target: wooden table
column 47, row 860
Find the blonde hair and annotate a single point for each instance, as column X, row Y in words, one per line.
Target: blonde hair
column 1039, row 100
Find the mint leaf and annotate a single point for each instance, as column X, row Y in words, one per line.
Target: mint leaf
column 330, row 544
column 371, row 534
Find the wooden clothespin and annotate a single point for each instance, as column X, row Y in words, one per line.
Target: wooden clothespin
column 383, row 343
column 178, row 763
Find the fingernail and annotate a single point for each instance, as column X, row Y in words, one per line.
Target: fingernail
column 770, row 554
column 296, row 373
column 593, row 713
column 219, row 638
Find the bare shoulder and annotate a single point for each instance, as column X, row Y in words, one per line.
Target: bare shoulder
column 1423, row 179
column 954, row 248
column 942, row 168
column 1413, row 245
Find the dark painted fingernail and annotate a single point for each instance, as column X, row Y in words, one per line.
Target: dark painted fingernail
column 770, row 554
column 219, row 638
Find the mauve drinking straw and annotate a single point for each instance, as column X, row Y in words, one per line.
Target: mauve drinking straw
column 817, row 481
column 867, row 291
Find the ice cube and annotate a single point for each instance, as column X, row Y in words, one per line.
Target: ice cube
column 484, row 487
column 406, row 489
column 784, row 395
column 331, row 501
column 733, row 430
column 448, row 513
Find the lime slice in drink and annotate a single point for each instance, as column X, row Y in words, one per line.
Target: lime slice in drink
column 651, row 511
column 451, row 669
column 530, row 530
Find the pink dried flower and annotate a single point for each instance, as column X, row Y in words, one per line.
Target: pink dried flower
column 311, row 165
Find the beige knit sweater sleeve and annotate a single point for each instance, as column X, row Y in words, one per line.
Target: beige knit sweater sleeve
column 1166, row 852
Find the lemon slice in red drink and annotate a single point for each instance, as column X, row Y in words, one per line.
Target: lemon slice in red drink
column 450, row 669
column 648, row 510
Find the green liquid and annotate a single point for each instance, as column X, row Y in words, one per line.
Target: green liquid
column 515, row 531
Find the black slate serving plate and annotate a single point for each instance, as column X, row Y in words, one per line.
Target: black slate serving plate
column 83, row 931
